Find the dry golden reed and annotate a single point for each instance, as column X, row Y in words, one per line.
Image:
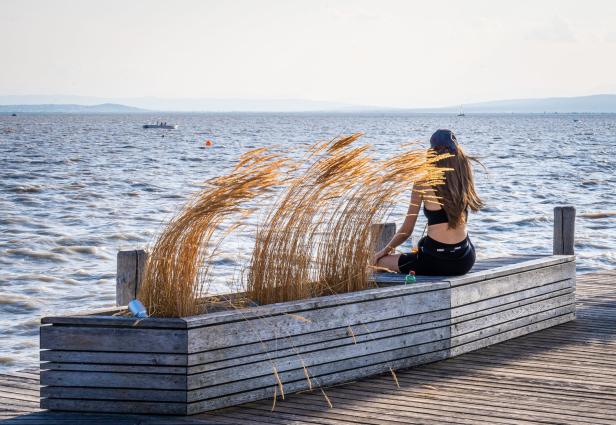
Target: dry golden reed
column 314, row 240
column 177, row 269
column 317, row 238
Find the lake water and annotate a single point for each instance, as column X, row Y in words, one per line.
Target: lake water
column 75, row 189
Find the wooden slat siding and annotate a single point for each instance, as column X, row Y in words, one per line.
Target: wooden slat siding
column 299, row 344
column 254, row 348
column 120, row 368
column 114, row 394
column 396, row 326
column 112, row 380
column 113, row 358
column 515, row 309
column 495, row 326
column 499, row 325
column 105, row 318
column 395, row 362
column 471, row 291
column 134, row 339
column 113, row 406
column 277, row 309
column 306, row 321
column 370, row 344
column 477, row 307
column 547, row 261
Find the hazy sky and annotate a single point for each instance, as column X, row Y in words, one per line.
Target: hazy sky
column 389, row 53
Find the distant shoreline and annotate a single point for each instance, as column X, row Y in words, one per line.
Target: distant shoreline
column 596, row 104
column 375, row 112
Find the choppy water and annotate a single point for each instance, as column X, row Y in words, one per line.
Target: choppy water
column 75, row 189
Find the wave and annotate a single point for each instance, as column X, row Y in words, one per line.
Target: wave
column 26, row 189
column 597, row 215
column 38, row 255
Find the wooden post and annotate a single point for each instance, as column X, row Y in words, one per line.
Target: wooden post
column 382, row 234
column 564, row 230
column 129, row 274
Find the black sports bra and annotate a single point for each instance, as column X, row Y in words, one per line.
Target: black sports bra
column 435, row 216
column 438, row 216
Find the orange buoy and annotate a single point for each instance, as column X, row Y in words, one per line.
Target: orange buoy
column 208, row 143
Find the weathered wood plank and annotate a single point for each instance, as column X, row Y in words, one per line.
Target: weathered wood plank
column 527, row 312
column 106, row 318
column 130, row 266
column 113, row 380
column 382, row 234
column 142, row 394
column 114, row 406
column 113, row 339
column 112, row 357
column 298, row 344
column 120, row 368
column 367, row 345
column 278, row 309
column 470, row 292
column 564, row 230
column 477, row 307
column 267, row 328
column 469, row 329
column 476, row 340
column 376, row 330
column 516, row 268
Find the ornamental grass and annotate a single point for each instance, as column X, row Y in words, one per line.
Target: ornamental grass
column 315, row 234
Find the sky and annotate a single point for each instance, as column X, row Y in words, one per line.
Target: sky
column 377, row 53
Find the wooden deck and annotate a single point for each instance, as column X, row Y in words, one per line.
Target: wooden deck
column 565, row 374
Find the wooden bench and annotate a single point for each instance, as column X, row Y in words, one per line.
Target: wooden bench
column 97, row 362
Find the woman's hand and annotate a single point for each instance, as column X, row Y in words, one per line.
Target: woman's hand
column 382, row 253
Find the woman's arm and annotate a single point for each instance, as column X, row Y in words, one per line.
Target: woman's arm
column 407, row 227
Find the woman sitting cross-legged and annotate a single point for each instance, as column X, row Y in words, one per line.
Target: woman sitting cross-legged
column 446, row 250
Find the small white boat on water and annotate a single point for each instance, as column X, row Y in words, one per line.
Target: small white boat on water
column 162, row 125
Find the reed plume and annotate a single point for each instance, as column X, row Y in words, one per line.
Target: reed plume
column 176, row 273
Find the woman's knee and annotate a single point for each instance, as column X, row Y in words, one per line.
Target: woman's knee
column 389, row 262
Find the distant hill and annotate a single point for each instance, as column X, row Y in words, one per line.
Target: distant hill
column 195, row 104
column 105, row 108
column 603, row 103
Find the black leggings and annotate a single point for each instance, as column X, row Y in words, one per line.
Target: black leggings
column 434, row 258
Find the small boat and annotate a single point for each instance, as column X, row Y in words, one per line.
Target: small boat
column 461, row 114
column 162, row 125
column 13, row 115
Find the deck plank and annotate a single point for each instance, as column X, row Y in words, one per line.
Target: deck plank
column 565, row 374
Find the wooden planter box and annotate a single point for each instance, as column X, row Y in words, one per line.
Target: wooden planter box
column 100, row 363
